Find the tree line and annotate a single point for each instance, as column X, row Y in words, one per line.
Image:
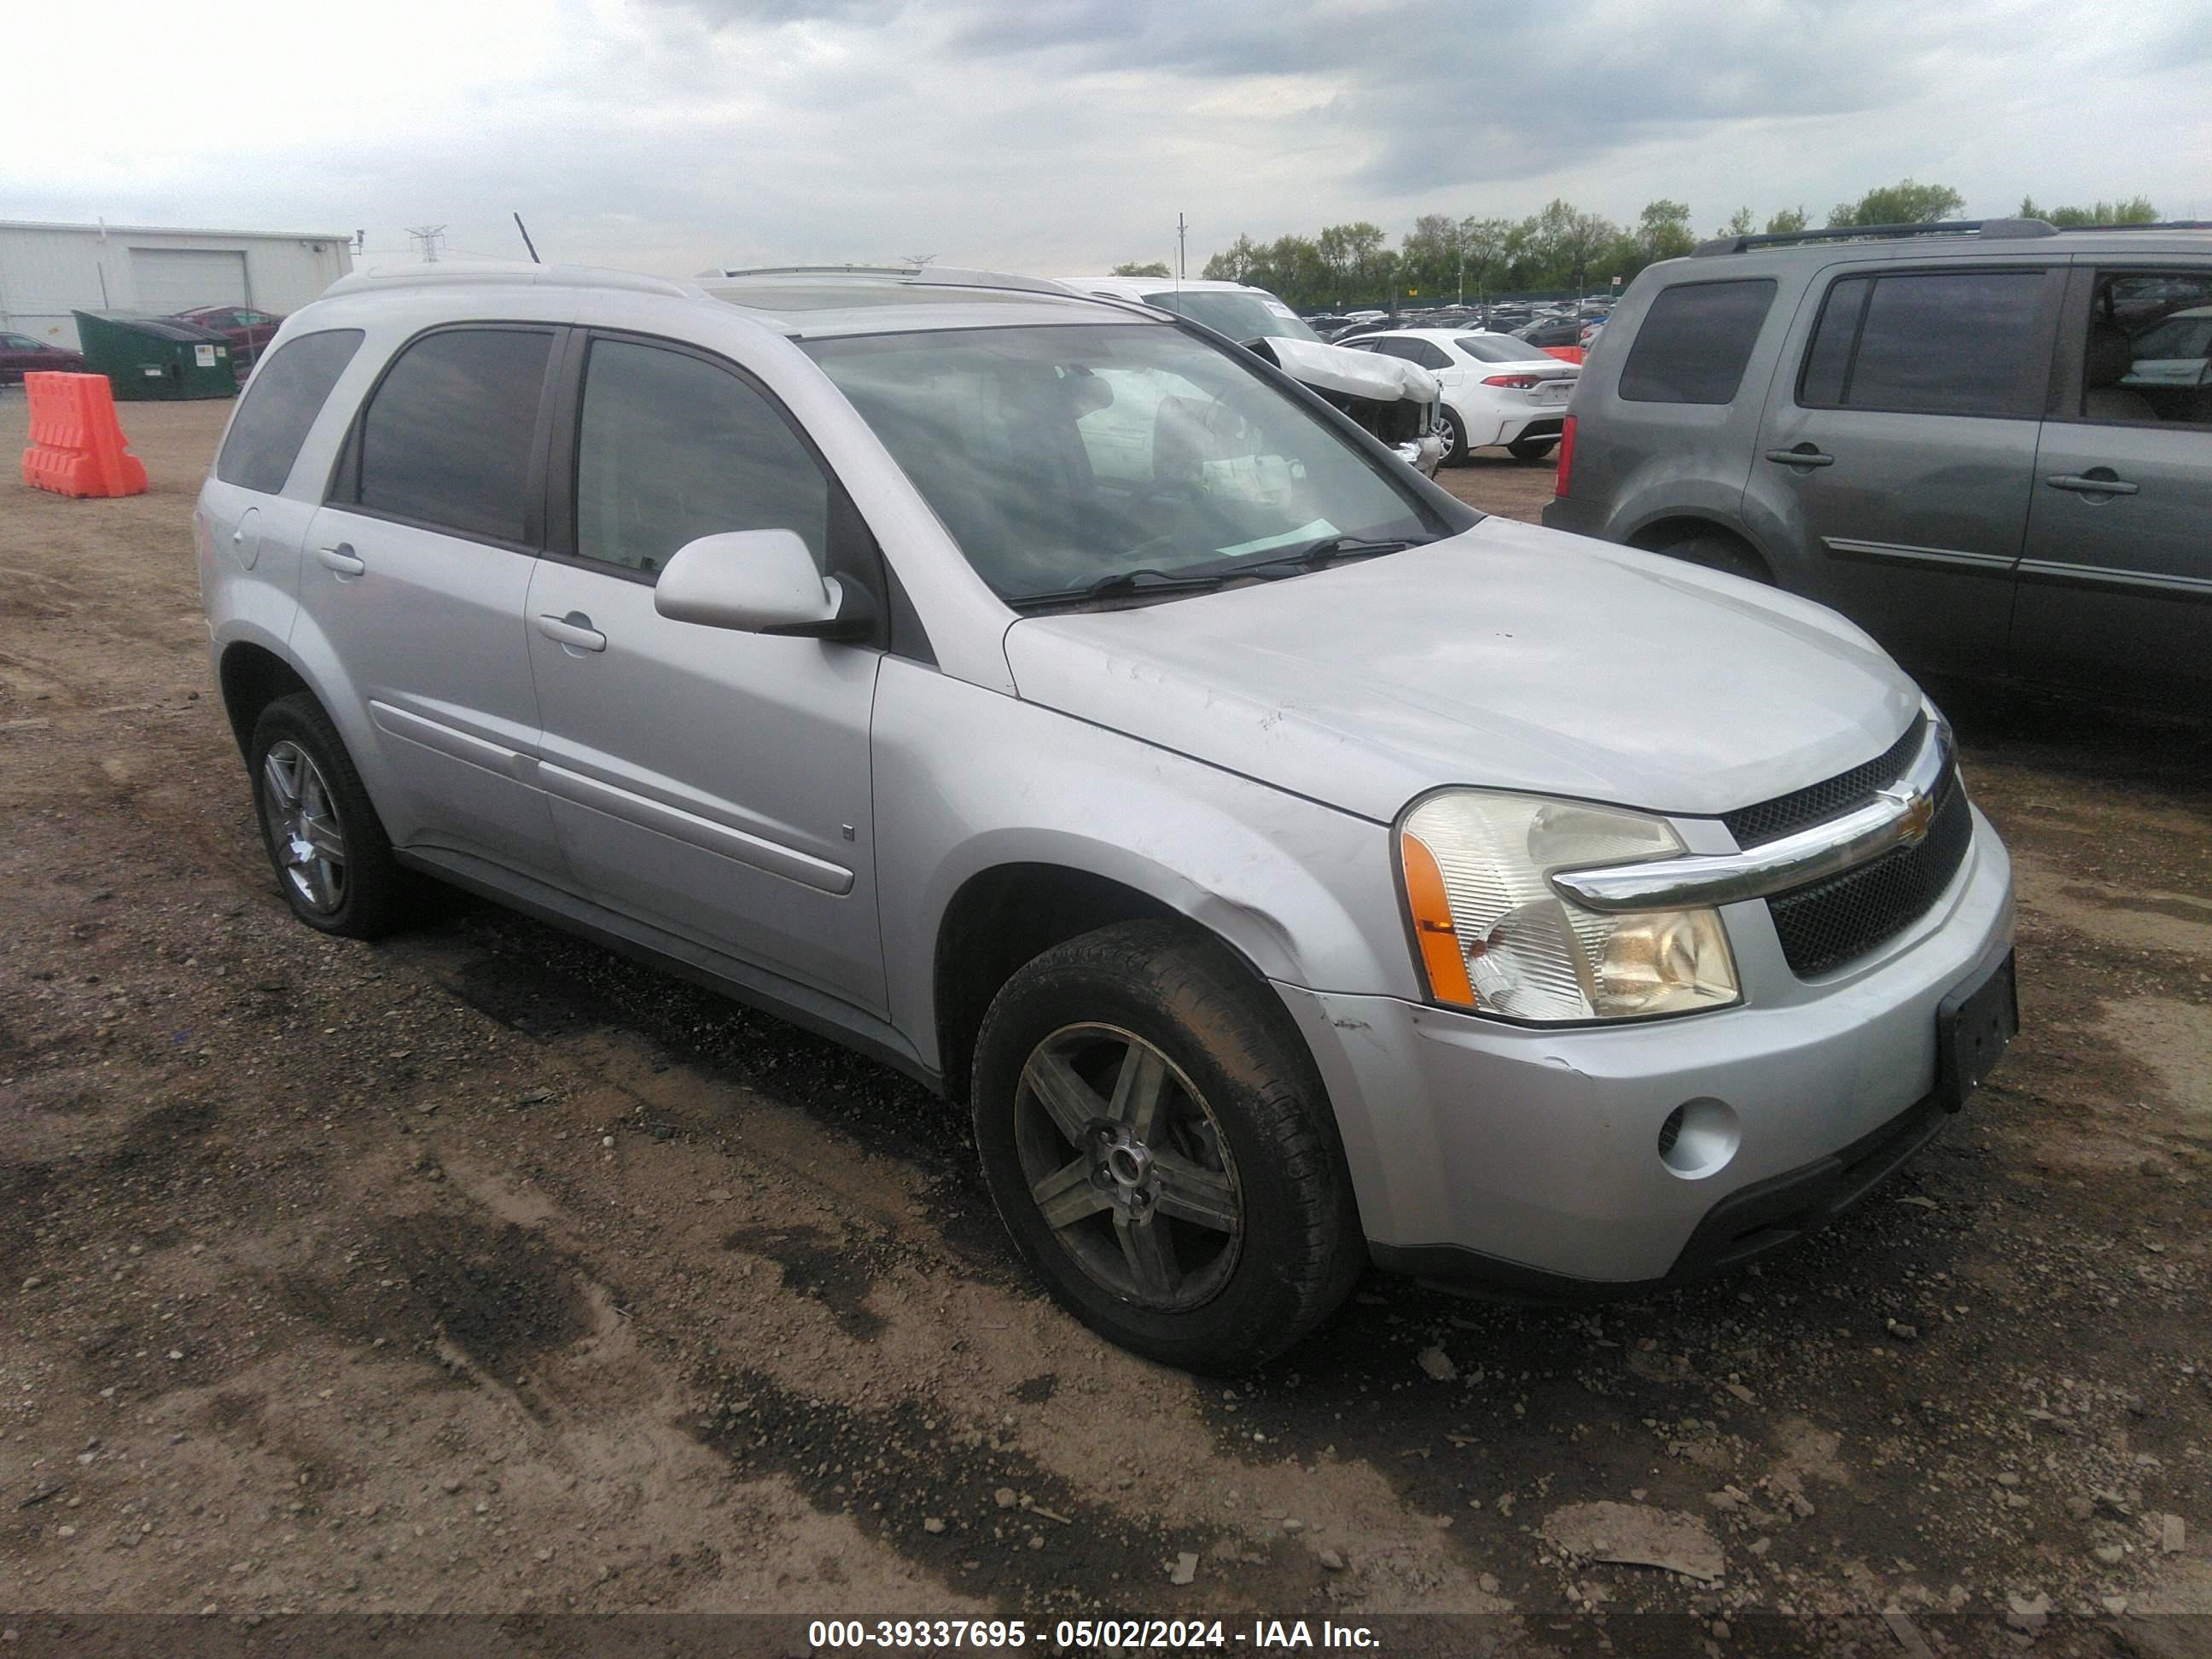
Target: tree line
column 1559, row 249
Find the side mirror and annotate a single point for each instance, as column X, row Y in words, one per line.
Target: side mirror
column 759, row 582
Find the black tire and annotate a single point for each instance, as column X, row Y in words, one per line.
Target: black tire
column 1717, row 552
column 1455, row 431
column 1242, row 1098
column 1531, row 449
column 368, row 898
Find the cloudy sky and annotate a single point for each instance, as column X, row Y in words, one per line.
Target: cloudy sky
column 1055, row 136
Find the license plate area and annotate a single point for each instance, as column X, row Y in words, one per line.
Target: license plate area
column 1973, row 1024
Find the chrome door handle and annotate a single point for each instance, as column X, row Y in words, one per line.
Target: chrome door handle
column 1804, row 455
column 340, row 559
column 573, row 629
column 2090, row 485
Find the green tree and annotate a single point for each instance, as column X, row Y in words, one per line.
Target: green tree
column 1482, row 246
column 1149, row 268
column 1567, row 240
column 1788, row 223
column 2135, row 210
column 1903, row 204
column 1739, row 224
column 1428, row 254
column 1234, row 263
column 1662, row 231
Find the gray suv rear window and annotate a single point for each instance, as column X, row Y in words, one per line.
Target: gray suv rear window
column 446, row 439
column 280, row 406
column 1693, row 343
column 1934, row 342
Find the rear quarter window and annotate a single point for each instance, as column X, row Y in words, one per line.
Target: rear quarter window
column 280, row 406
column 1694, row 341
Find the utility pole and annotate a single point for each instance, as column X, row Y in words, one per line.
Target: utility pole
column 1182, row 265
column 428, row 237
column 1462, row 277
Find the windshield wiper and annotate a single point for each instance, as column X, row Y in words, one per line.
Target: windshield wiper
column 1146, row 579
column 1328, row 551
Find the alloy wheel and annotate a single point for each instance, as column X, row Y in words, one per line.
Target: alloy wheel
column 1128, row 1167
column 304, row 827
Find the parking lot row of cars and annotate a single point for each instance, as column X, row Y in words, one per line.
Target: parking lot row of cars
column 246, row 330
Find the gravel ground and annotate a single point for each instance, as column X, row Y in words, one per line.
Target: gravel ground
column 480, row 1270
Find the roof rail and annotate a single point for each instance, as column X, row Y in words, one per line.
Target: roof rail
column 921, row 275
column 2012, row 229
column 505, row 273
column 2144, row 224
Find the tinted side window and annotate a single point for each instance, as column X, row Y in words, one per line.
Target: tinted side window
column 280, row 406
column 1427, row 353
column 670, row 448
column 1938, row 342
column 446, row 439
column 1694, row 341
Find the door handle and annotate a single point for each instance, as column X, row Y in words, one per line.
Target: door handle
column 2097, row 481
column 340, row 559
column 1803, row 455
column 574, row 631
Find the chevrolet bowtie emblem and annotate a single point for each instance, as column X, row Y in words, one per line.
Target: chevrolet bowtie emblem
column 1919, row 813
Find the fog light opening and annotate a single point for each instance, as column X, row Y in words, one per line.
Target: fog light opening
column 1698, row 1138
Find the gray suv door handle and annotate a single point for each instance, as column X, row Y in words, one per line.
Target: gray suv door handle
column 573, row 629
column 340, row 559
column 1803, row 455
column 2090, row 484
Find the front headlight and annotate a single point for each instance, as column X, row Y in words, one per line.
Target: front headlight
column 1493, row 936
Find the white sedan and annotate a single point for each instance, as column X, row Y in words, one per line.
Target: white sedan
column 1497, row 390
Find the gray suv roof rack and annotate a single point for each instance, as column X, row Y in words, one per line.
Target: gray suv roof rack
column 2010, row 229
column 921, row 275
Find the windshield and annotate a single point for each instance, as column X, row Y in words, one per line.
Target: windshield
column 1496, row 348
column 1250, row 315
column 1062, row 457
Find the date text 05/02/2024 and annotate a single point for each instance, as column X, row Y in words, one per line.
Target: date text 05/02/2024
column 1088, row 1635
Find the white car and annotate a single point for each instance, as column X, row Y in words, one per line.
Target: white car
column 1498, row 390
column 1399, row 405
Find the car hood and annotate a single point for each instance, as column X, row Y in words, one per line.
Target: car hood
column 1347, row 373
column 1508, row 656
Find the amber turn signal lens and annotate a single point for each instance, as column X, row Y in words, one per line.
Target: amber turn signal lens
column 1442, row 958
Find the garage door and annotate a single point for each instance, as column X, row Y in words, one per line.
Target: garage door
column 176, row 278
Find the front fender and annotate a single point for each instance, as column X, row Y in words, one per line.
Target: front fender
column 1305, row 893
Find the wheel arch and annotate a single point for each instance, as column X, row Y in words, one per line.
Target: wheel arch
column 1005, row 915
column 1661, row 534
column 251, row 676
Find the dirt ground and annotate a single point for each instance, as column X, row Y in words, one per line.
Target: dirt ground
column 480, row 1270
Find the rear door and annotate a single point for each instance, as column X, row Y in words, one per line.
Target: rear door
column 415, row 572
column 2116, row 583
column 1894, row 461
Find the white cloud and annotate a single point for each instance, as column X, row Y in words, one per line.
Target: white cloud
column 1064, row 134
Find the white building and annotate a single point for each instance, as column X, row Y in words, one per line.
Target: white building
column 48, row 270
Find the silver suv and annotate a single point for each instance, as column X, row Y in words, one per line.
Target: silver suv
column 1291, row 867
column 1989, row 443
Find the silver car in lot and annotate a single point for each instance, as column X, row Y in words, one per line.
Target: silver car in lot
column 1290, row 867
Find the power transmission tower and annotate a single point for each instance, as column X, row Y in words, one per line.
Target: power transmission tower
column 426, row 237
column 917, row 259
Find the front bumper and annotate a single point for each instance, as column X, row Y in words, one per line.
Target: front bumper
column 1528, row 1156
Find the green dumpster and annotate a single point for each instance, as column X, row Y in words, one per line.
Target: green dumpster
column 150, row 357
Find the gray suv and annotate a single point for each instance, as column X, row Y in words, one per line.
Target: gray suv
column 1990, row 443
column 1288, row 866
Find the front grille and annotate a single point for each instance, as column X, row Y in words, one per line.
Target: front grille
column 1771, row 820
column 1834, row 921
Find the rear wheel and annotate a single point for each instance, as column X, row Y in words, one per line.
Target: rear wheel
column 1532, row 449
column 333, row 861
column 1717, row 552
column 1159, row 1147
column 1454, row 435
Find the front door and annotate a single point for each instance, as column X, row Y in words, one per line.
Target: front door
column 1895, row 458
column 415, row 574
column 712, row 783
column 2115, row 586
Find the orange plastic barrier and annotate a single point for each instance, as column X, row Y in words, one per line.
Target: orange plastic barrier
column 1566, row 354
column 77, row 446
